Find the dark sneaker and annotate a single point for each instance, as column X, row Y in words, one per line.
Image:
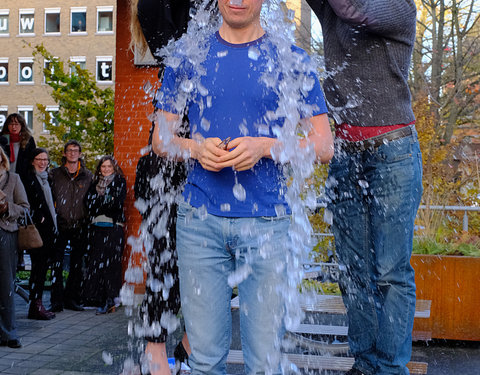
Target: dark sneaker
column 15, row 344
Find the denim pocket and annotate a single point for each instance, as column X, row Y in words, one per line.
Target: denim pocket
column 395, row 151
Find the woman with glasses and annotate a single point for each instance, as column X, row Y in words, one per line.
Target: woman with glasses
column 18, row 143
column 44, row 217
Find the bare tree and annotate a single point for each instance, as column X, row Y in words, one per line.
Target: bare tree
column 446, row 61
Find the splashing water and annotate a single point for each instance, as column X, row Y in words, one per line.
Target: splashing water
column 289, row 76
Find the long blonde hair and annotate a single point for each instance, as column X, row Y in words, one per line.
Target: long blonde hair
column 4, row 164
column 137, row 38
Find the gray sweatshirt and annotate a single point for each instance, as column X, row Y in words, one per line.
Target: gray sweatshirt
column 368, row 46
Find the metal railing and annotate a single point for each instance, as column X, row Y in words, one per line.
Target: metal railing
column 465, row 209
column 454, row 208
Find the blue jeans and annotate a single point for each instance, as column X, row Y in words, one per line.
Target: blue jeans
column 214, row 254
column 374, row 196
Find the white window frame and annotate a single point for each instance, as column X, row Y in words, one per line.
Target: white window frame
column 106, row 8
column 50, row 108
column 25, row 11
column 45, row 62
column 26, row 60
column 4, row 108
column 4, row 60
column 24, row 108
column 51, row 11
column 78, row 59
column 97, row 60
column 78, row 10
column 5, row 12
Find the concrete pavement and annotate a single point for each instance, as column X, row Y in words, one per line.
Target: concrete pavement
column 81, row 343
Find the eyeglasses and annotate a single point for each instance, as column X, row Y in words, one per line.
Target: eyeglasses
column 72, row 151
column 14, row 124
column 41, row 159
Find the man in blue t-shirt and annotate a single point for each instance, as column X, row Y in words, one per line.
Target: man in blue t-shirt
column 233, row 226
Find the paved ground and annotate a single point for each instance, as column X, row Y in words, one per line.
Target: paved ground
column 77, row 343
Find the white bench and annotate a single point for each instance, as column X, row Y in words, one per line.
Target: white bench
column 320, row 362
column 334, row 305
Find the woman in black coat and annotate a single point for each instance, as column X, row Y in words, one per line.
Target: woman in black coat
column 104, row 201
column 18, row 143
column 44, row 217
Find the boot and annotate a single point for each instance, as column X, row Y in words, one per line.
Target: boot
column 38, row 312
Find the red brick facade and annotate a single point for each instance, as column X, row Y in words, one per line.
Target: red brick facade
column 132, row 107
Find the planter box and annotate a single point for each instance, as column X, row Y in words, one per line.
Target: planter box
column 452, row 283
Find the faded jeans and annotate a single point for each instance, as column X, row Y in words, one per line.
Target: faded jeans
column 214, row 254
column 374, row 196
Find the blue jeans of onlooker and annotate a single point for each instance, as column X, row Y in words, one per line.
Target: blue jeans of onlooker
column 375, row 194
column 214, row 254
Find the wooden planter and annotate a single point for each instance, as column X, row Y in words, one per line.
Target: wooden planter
column 452, row 283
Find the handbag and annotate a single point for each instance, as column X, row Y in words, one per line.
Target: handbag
column 28, row 236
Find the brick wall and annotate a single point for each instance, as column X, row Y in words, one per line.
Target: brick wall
column 132, row 107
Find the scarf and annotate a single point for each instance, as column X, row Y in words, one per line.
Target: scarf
column 14, row 138
column 42, row 177
column 103, row 182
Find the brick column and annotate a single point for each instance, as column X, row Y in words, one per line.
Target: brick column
column 132, row 107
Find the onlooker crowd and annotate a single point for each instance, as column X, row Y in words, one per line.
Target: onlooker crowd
column 72, row 210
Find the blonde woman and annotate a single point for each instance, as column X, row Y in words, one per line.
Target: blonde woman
column 13, row 202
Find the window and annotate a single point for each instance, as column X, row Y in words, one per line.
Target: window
column 4, row 22
column 53, row 112
column 26, row 22
column 47, row 65
column 80, row 60
column 27, row 112
column 52, row 21
column 78, row 20
column 3, row 70
column 3, row 114
column 25, row 70
column 105, row 19
column 104, row 69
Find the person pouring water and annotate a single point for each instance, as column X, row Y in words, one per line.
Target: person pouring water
column 375, row 178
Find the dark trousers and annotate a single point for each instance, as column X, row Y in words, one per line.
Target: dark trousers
column 78, row 246
column 40, row 259
column 103, row 278
column 8, row 267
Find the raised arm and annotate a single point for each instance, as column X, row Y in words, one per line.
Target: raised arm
column 386, row 17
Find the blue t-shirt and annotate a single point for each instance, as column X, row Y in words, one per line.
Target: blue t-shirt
column 233, row 101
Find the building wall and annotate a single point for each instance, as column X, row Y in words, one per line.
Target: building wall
column 132, row 108
column 88, row 45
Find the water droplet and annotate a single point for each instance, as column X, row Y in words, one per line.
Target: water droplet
column 239, row 192
column 225, row 207
column 253, row 53
column 107, row 358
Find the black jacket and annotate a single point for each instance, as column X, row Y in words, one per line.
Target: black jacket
column 39, row 210
column 111, row 203
column 150, row 166
column 68, row 194
column 23, row 158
